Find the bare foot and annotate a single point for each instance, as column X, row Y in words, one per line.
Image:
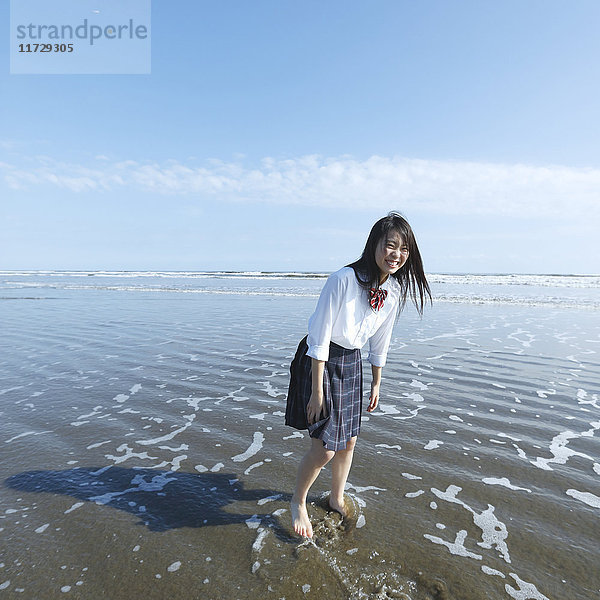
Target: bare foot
column 338, row 506
column 300, row 519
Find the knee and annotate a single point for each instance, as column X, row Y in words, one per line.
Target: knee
column 323, row 457
column 326, row 456
column 350, row 444
column 319, row 456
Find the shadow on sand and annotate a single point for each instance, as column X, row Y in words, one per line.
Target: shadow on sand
column 163, row 500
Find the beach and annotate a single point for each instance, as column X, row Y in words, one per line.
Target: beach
column 144, row 451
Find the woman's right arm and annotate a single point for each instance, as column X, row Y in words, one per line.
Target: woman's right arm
column 319, row 336
column 315, row 404
column 320, row 324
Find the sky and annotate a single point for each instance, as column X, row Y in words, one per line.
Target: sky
column 271, row 134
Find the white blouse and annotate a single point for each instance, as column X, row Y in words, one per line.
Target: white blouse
column 344, row 316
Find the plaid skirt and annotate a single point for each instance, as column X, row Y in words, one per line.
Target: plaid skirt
column 342, row 391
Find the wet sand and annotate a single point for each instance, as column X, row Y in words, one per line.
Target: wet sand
column 144, row 453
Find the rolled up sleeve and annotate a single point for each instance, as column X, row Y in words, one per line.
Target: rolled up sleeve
column 379, row 342
column 322, row 320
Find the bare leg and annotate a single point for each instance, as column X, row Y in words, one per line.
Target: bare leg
column 340, row 468
column 310, row 467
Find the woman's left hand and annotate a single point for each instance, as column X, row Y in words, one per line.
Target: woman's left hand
column 373, row 398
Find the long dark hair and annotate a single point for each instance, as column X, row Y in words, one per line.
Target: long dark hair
column 411, row 276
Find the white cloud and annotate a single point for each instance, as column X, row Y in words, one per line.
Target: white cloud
column 434, row 186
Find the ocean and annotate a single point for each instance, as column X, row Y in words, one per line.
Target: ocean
column 144, row 451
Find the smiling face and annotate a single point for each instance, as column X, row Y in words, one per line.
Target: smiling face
column 391, row 254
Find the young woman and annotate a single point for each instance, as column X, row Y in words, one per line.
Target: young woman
column 358, row 304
